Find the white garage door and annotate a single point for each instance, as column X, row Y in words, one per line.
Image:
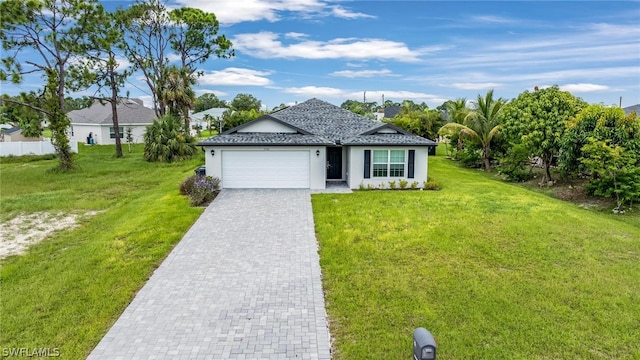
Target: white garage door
column 265, row 169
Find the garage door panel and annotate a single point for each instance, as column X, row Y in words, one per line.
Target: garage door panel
column 265, row 169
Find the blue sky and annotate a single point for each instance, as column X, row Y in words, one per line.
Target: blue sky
column 288, row 51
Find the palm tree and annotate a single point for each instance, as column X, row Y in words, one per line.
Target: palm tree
column 178, row 94
column 457, row 110
column 481, row 124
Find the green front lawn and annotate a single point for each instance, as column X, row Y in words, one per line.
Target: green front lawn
column 67, row 291
column 493, row 270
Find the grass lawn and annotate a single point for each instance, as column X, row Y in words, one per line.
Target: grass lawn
column 493, row 270
column 67, row 291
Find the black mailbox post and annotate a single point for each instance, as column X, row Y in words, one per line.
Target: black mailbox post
column 424, row 345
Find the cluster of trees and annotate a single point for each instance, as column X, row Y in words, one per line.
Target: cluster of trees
column 546, row 127
column 77, row 44
column 556, row 129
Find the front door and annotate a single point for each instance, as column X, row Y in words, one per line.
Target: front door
column 334, row 163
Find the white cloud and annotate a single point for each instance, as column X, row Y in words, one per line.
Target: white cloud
column 476, row 86
column 217, row 93
column 235, row 76
column 582, row 88
column 266, row 45
column 295, row 35
column 341, row 12
column 493, row 19
column 236, row 11
column 316, row 91
column 362, row 73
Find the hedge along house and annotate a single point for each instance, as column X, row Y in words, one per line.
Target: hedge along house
column 311, row 143
column 96, row 122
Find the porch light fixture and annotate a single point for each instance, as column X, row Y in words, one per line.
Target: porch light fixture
column 424, row 345
column 213, row 152
column 318, row 153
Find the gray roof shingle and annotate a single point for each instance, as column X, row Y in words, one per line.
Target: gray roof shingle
column 130, row 112
column 265, row 139
column 389, row 139
column 320, row 123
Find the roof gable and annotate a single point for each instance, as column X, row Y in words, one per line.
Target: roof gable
column 266, row 124
column 386, row 129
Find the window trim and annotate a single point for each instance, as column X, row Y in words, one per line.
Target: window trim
column 112, row 132
column 388, row 164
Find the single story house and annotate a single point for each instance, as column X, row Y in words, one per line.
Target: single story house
column 14, row 134
column 198, row 119
column 308, row 144
column 95, row 123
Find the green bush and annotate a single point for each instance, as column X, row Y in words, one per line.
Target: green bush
column 431, row 184
column 165, row 140
column 513, row 164
column 201, row 190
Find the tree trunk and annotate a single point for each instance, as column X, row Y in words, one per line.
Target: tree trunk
column 485, row 157
column 546, row 159
column 114, row 111
column 58, row 122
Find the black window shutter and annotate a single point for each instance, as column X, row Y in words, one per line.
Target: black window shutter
column 367, row 164
column 412, row 163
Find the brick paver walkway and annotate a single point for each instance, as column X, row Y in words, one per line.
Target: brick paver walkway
column 243, row 283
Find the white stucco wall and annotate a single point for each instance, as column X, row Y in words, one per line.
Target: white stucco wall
column 317, row 164
column 80, row 132
column 101, row 133
column 355, row 176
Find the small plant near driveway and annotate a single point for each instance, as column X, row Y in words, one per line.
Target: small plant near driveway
column 201, row 190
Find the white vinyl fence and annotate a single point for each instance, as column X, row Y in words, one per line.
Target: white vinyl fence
column 20, row 148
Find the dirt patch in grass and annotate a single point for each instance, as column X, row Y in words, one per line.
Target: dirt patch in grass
column 17, row 234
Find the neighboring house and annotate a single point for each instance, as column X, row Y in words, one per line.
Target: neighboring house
column 96, row 122
column 199, row 117
column 308, row 144
column 387, row 113
column 14, row 134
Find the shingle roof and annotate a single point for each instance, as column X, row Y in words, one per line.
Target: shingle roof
column 130, row 112
column 389, row 139
column 321, row 118
column 12, row 130
column 266, row 139
column 214, row 112
column 320, row 123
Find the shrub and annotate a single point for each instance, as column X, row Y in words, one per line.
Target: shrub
column 431, row 184
column 403, row 184
column 392, row 185
column 513, row 164
column 166, row 141
column 201, row 190
column 414, row 185
column 187, row 186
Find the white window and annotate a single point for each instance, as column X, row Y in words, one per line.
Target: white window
column 388, row 163
column 112, row 132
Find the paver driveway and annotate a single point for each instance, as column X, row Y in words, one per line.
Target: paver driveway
column 243, row 283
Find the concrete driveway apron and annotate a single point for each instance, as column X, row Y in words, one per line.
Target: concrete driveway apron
column 243, row 283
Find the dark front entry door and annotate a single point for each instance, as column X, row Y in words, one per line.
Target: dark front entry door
column 334, row 163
